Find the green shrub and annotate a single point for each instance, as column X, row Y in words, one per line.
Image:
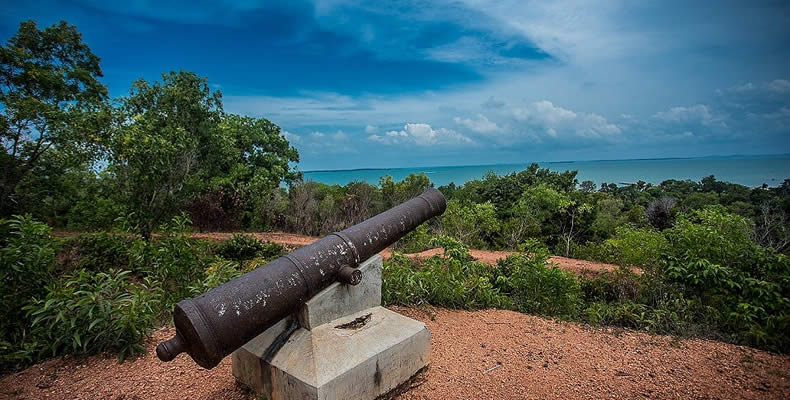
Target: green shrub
column 472, row 224
column 535, row 288
column 216, row 274
column 255, row 263
column 89, row 312
column 672, row 314
column 520, row 282
column 415, row 241
column 636, row 247
column 242, row 247
column 717, row 236
column 27, row 265
column 174, row 259
column 452, row 281
column 617, row 286
column 593, row 251
column 103, row 251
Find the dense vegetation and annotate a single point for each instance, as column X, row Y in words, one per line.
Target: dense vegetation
column 135, row 174
column 105, row 291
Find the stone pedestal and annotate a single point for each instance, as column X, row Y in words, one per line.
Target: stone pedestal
column 341, row 345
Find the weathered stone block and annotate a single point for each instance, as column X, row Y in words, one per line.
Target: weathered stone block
column 339, row 300
column 250, row 362
column 361, row 361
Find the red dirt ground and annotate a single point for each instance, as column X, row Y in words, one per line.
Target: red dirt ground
column 490, row 354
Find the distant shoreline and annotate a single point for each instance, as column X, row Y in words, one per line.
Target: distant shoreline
column 733, row 156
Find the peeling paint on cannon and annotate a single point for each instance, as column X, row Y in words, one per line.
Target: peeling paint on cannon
column 216, row 323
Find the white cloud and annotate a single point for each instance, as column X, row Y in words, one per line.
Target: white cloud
column 339, row 136
column 379, row 139
column 480, row 124
column 371, row 129
column 292, row 138
column 698, row 113
column 319, row 143
column 780, row 86
column 421, row 135
column 556, row 121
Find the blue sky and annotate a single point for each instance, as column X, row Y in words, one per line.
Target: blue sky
column 420, row 83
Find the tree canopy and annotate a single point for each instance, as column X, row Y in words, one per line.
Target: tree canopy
column 51, row 100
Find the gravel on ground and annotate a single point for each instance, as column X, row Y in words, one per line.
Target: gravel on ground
column 491, row 354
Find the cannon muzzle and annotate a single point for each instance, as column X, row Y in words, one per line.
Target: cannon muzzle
column 216, row 323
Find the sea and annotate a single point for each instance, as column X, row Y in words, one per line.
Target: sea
column 751, row 171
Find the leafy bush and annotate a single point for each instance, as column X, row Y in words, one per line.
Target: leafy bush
column 470, row 223
column 415, row 241
column 173, row 259
column 216, row 274
column 593, row 251
column 451, row 281
column 245, row 247
column 717, row 236
column 673, row 317
column 617, row 286
column 520, row 282
column 636, row 247
column 27, row 264
column 255, row 263
column 90, row 312
column 103, row 251
column 536, row 288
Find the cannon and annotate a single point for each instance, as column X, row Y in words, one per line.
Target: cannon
column 213, row 325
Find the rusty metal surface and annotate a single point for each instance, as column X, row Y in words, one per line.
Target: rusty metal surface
column 214, row 324
column 349, row 275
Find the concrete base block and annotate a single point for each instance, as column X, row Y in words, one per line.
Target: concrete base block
column 340, row 345
column 361, row 356
column 339, row 300
column 250, row 364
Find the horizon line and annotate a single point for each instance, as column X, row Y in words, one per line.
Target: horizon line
column 547, row 162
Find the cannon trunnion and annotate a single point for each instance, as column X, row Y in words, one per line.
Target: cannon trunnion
column 214, row 324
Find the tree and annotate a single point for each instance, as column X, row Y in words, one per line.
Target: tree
column 395, row 193
column 163, row 134
column 249, row 158
column 536, row 207
column 587, row 187
column 608, row 217
column 302, row 207
column 660, row 213
column 542, row 204
column 772, row 228
column 172, row 142
column 470, row 223
column 50, row 98
column 571, row 228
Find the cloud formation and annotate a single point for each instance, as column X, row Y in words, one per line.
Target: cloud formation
column 558, row 121
column 479, row 124
column 486, row 82
column 421, row 135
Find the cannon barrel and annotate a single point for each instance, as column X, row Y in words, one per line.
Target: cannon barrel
column 216, row 323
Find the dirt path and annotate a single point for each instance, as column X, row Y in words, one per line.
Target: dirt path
column 489, row 354
column 580, row 267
